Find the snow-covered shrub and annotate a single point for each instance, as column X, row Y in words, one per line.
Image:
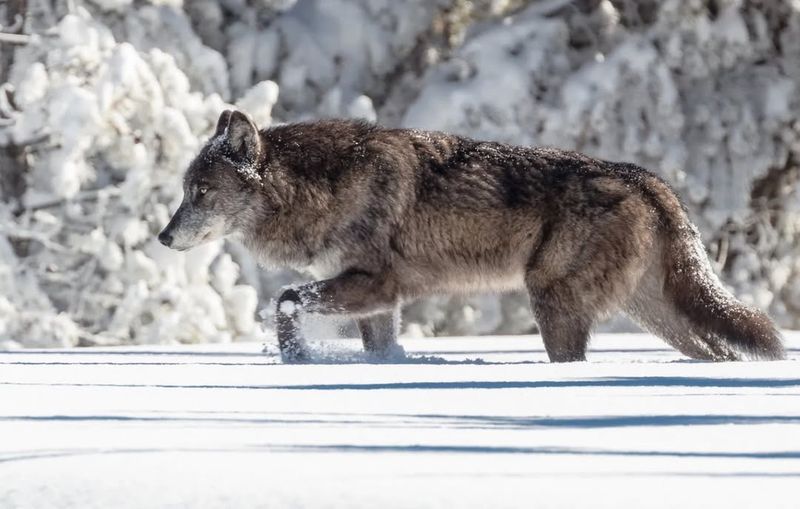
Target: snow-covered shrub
column 80, row 260
column 325, row 54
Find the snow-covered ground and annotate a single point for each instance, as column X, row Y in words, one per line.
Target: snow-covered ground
column 468, row 422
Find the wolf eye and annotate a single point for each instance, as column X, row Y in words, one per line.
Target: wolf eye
column 202, row 189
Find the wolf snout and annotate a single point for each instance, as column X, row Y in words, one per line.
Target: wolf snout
column 165, row 238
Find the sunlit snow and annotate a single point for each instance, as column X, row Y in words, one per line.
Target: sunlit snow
column 462, row 422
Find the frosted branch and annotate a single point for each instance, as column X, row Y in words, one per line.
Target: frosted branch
column 19, row 39
column 15, row 27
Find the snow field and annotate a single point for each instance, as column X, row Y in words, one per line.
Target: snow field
column 463, row 422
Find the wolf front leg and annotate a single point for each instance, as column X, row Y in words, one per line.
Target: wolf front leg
column 379, row 334
column 287, row 326
column 350, row 293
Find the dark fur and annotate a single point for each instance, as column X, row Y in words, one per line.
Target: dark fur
column 383, row 216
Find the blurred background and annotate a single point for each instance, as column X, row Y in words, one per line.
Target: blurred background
column 103, row 103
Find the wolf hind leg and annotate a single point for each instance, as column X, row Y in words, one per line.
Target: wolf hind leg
column 565, row 328
column 379, row 334
column 570, row 291
column 585, row 268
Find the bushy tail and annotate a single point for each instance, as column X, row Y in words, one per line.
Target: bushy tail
column 713, row 314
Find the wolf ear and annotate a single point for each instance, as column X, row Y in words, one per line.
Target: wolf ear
column 222, row 123
column 243, row 136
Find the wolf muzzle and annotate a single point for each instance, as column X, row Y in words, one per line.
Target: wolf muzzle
column 165, row 238
column 168, row 234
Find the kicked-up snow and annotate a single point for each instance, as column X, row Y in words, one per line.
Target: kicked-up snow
column 461, row 422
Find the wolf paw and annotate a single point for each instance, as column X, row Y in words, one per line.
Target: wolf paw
column 296, row 356
column 392, row 352
column 294, row 351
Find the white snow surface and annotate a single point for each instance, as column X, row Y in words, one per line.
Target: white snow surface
column 462, row 422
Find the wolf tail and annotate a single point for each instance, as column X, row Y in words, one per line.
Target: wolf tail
column 699, row 316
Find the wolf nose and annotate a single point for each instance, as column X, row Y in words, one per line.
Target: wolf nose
column 165, row 238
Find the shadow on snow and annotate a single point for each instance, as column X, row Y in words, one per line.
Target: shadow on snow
column 416, row 448
column 431, row 420
column 634, row 381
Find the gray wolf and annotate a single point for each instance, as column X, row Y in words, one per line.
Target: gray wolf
column 383, row 216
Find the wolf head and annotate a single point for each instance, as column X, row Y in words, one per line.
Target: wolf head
column 219, row 185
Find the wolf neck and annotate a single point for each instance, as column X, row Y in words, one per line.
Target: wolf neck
column 281, row 247
column 291, row 228
column 305, row 168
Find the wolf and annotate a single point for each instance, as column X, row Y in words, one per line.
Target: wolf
column 381, row 216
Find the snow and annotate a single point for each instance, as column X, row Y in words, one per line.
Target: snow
column 287, row 307
column 463, row 422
